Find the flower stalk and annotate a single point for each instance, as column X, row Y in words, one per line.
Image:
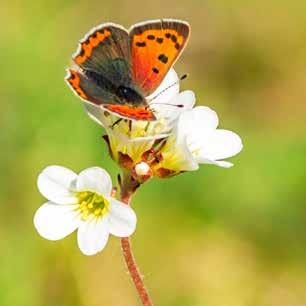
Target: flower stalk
column 128, row 186
column 134, row 272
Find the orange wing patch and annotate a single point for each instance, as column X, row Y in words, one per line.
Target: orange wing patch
column 73, row 79
column 154, row 52
column 136, row 113
column 89, row 44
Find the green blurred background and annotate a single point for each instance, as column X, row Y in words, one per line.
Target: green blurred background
column 215, row 237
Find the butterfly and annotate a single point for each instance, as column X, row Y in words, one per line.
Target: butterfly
column 118, row 68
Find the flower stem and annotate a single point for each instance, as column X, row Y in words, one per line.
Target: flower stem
column 134, row 272
column 127, row 189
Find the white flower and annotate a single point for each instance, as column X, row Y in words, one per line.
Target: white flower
column 81, row 202
column 196, row 140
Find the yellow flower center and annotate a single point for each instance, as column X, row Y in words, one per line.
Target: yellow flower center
column 92, row 204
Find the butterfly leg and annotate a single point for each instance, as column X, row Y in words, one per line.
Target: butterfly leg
column 130, row 125
column 116, row 122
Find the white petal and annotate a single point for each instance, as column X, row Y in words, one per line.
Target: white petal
column 187, row 99
column 93, row 235
column 94, row 179
column 219, row 163
column 200, row 121
column 177, row 156
column 55, row 222
column 170, row 79
column 221, row 144
column 147, row 138
column 223, row 164
column 122, row 219
column 56, row 183
column 205, row 117
column 178, row 104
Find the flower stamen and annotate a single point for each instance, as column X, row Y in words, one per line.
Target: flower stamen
column 92, row 204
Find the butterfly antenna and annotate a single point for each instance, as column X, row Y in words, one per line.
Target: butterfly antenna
column 183, row 77
column 176, row 105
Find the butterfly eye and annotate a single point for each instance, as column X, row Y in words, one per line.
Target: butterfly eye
column 129, row 95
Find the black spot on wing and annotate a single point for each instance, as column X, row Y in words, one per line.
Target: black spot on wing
column 174, row 38
column 163, row 58
column 140, row 44
column 155, row 70
column 177, row 46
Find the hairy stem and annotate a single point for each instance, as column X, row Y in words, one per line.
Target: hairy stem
column 134, row 272
column 128, row 187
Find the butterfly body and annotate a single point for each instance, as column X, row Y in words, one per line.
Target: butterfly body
column 122, row 92
column 117, row 68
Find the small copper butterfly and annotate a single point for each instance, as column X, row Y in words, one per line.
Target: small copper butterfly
column 118, row 68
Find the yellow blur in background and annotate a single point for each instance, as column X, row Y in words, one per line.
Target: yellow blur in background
column 215, row 237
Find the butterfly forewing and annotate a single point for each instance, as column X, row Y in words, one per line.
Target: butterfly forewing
column 106, row 51
column 155, row 46
column 87, row 89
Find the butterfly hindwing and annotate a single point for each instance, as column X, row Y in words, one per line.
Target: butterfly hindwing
column 155, row 46
column 90, row 92
column 87, row 89
column 125, row 111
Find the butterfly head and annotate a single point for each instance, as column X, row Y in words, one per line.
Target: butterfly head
column 130, row 104
column 131, row 96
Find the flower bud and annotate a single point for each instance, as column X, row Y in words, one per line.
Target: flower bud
column 142, row 168
column 142, row 172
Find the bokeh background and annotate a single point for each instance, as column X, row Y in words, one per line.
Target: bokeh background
column 215, row 237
